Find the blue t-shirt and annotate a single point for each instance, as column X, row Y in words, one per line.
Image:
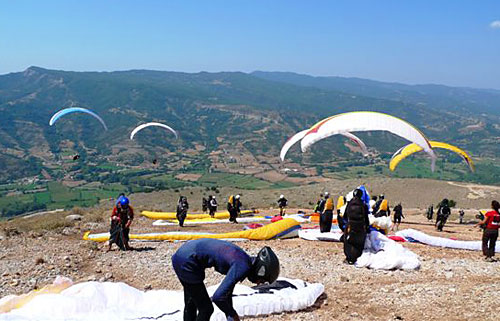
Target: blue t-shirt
column 192, row 258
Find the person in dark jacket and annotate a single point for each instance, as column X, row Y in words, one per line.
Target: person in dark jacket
column 430, row 212
column 191, row 260
column 182, row 209
column 442, row 214
column 358, row 225
column 282, row 203
column 326, row 217
column 398, row 215
column 212, row 206
column 318, row 203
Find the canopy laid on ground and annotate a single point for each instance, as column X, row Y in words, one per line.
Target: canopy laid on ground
column 380, row 252
column 414, row 235
column 295, row 138
column 119, row 301
column 366, row 121
column 285, row 228
column 70, row 110
column 410, row 149
column 210, row 220
column 141, row 127
column 172, row 215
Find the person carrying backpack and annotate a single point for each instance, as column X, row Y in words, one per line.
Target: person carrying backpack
column 490, row 233
column 212, row 206
column 442, row 214
column 204, row 204
column 182, row 208
column 282, row 204
column 233, row 207
column 398, row 215
column 121, row 219
column 358, row 225
column 325, row 218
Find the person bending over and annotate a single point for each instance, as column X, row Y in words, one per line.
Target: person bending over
column 191, row 260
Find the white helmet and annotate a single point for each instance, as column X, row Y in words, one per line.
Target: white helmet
column 326, row 194
column 213, row 197
column 282, row 196
column 237, row 197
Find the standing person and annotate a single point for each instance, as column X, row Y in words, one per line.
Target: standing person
column 212, row 206
column 490, row 233
column 461, row 215
column 325, row 218
column 282, row 203
column 442, row 214
column 358, row 225
column 121, row 219
column 233, row 207
column 376, row 207
column 398, row 215
column 191, row 260
column 383, row 207
column 320, row 207
column 204, row 204
column 316, row 207
column 430, row 212
column 182, row 208
column 341, row 221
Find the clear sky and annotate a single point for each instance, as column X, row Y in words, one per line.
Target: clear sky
column 454, row 42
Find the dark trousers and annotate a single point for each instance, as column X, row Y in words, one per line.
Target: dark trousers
column 233, row 214
column 489, row 239
column 181, row 216
column 212, row 211
column 197, row 303
column 325, row 221
column 354, row 241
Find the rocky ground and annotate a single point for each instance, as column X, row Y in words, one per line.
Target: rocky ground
column 451, row 284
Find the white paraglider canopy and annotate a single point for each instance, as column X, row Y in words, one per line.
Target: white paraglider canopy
column 141, row 127
column 70, row 110
column 366, row 121
column 295, row 138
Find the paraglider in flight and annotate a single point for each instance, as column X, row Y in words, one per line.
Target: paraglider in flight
column 70, row 110
column 366, row 121
column 140, row 127
column 413, row 148
column 76, row 157
column 154, row 161
column 295, row 138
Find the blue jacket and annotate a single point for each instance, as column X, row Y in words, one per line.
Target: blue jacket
column 192, row 258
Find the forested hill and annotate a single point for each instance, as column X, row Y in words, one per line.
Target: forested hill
column 255, row 112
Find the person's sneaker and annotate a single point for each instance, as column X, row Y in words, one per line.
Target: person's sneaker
column 489, row 259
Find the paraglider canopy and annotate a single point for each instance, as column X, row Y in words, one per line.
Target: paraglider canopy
column 298, row 136
column 410, row 149
column 366, row 121
column 141, row 127
column 70, row 110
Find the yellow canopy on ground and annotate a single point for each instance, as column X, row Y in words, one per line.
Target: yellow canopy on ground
column 278, row 229
column 414, row 148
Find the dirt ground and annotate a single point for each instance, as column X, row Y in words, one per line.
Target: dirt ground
column 450, row 285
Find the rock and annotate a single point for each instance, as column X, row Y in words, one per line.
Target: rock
column 98, row 270
column 74, row 217
column 39, row 260
column 66, row 258
column 108, row 275
column 15, row 282
column 344, row 279
column 92, row 278
column 148, row 287
column 4, row 274
column 448, row 275
column 452, row 290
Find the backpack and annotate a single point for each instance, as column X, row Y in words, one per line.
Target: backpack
column 355, row 211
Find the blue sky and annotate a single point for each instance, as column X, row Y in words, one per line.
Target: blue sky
column 451, row 42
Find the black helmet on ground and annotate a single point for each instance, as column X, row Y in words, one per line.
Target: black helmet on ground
column 266, row 266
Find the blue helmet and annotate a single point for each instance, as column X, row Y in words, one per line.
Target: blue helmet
column 124, row 201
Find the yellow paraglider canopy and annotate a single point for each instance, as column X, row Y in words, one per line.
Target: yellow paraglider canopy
column 413, row 148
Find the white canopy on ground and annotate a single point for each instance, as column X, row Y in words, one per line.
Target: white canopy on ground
column 380, row 252
column 119, row 301
column 442, row 241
